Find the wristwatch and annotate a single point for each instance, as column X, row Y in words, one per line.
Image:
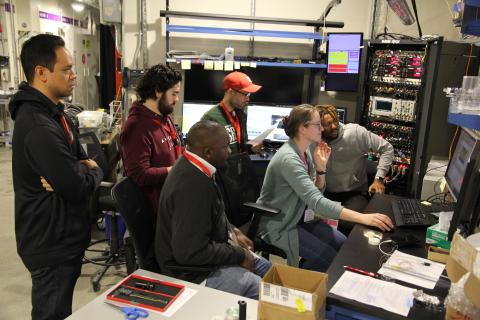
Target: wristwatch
column 321, row 172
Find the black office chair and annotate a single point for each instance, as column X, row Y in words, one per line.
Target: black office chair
column 102, row 204
column 240, row 189
column 133, row 207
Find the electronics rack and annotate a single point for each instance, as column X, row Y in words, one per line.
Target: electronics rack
column 395, row 101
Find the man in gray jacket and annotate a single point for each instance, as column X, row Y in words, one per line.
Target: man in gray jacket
column 346, row 178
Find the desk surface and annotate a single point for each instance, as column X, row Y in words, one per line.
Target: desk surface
column 358, row 253
column 107, row 139
column 205, row 304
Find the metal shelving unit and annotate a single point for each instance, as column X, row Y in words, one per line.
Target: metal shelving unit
column 315, row 36
column 470, row 121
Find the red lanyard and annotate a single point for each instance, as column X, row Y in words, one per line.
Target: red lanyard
column 66, row 128
column 197, row 162
column 235, row 124
column 168, row 127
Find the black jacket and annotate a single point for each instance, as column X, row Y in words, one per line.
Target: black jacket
column 192, row 228
column 50, row 227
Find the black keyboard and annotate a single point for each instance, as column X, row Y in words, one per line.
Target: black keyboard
column 410, row 212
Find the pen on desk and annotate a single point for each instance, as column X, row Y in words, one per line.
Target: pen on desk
column 360, row 271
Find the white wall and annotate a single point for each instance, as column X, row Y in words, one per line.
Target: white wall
column 79, row 41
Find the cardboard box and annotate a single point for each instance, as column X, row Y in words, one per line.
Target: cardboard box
column 462, row 259
column 438, row 254
column 292, row 293
column 437, row 237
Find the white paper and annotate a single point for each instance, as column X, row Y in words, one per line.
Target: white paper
column 180, row 301
column 186, row 64
column 208, row 65
column 259, row 139
column 309, row 215
column 418, row 271
column 228, row 66
column 382, row 294
column 218, row 65
column 285, row 296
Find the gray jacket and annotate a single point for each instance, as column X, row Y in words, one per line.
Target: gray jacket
column 347, row 167
column 289, row 187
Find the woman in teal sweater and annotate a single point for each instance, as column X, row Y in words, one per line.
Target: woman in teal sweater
column 294, row 182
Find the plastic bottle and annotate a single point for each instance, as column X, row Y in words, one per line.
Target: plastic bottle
column 229, row 56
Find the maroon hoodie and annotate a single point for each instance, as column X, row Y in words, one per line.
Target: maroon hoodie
column 148, row 149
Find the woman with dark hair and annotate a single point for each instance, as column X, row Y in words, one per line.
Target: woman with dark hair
column 294, row 182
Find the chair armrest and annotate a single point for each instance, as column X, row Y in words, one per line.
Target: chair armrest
column 262, row 209
column 188, row 268
column 106, row 184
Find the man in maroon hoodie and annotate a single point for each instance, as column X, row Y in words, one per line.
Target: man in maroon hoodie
column 150, row 141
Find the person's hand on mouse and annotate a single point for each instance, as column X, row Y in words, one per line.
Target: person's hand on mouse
column 381, row 221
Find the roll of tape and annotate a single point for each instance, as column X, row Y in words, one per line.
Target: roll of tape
column 369, row 234
column 374, row 238
column 374, row 241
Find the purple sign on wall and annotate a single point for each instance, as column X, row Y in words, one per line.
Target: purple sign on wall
column 64, row 19
column 49, row 16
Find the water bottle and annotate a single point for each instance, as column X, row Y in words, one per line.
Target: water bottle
column 229, row 53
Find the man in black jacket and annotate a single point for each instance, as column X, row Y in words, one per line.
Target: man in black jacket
column 52, row 178
column 192, row 228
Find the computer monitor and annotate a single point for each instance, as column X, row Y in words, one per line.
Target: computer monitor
column 192, row 113
column 343, row 61
column 280, row 85
column 262, row 117
column 342, row 114
column 466, row 216
column 467, row 148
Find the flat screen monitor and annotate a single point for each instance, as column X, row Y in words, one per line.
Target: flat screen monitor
column 280, row 86
column 467, row 210
column 203, row 86
column 262, row 118
column 467, row 148
column 192, row 113
column 342, row 114
column 343, row 61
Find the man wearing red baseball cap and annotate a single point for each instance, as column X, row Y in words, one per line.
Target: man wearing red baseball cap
column 229, row 112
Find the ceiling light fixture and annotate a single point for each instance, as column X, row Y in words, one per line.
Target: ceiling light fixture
column 78, row 7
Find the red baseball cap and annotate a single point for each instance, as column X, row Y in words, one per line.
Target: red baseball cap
column 239, row 81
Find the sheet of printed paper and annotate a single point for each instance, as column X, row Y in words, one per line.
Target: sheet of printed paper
column 382, row 294
column 415, row 270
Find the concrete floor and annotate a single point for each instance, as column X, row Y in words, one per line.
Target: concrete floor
column 15, row 282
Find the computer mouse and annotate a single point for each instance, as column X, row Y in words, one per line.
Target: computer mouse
column 263, row 154
column 406, row 241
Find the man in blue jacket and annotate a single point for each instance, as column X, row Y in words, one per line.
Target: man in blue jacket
column 52, row 178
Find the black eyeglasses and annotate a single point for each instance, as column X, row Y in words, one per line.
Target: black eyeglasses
column 246, row 94
column 316, row 124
